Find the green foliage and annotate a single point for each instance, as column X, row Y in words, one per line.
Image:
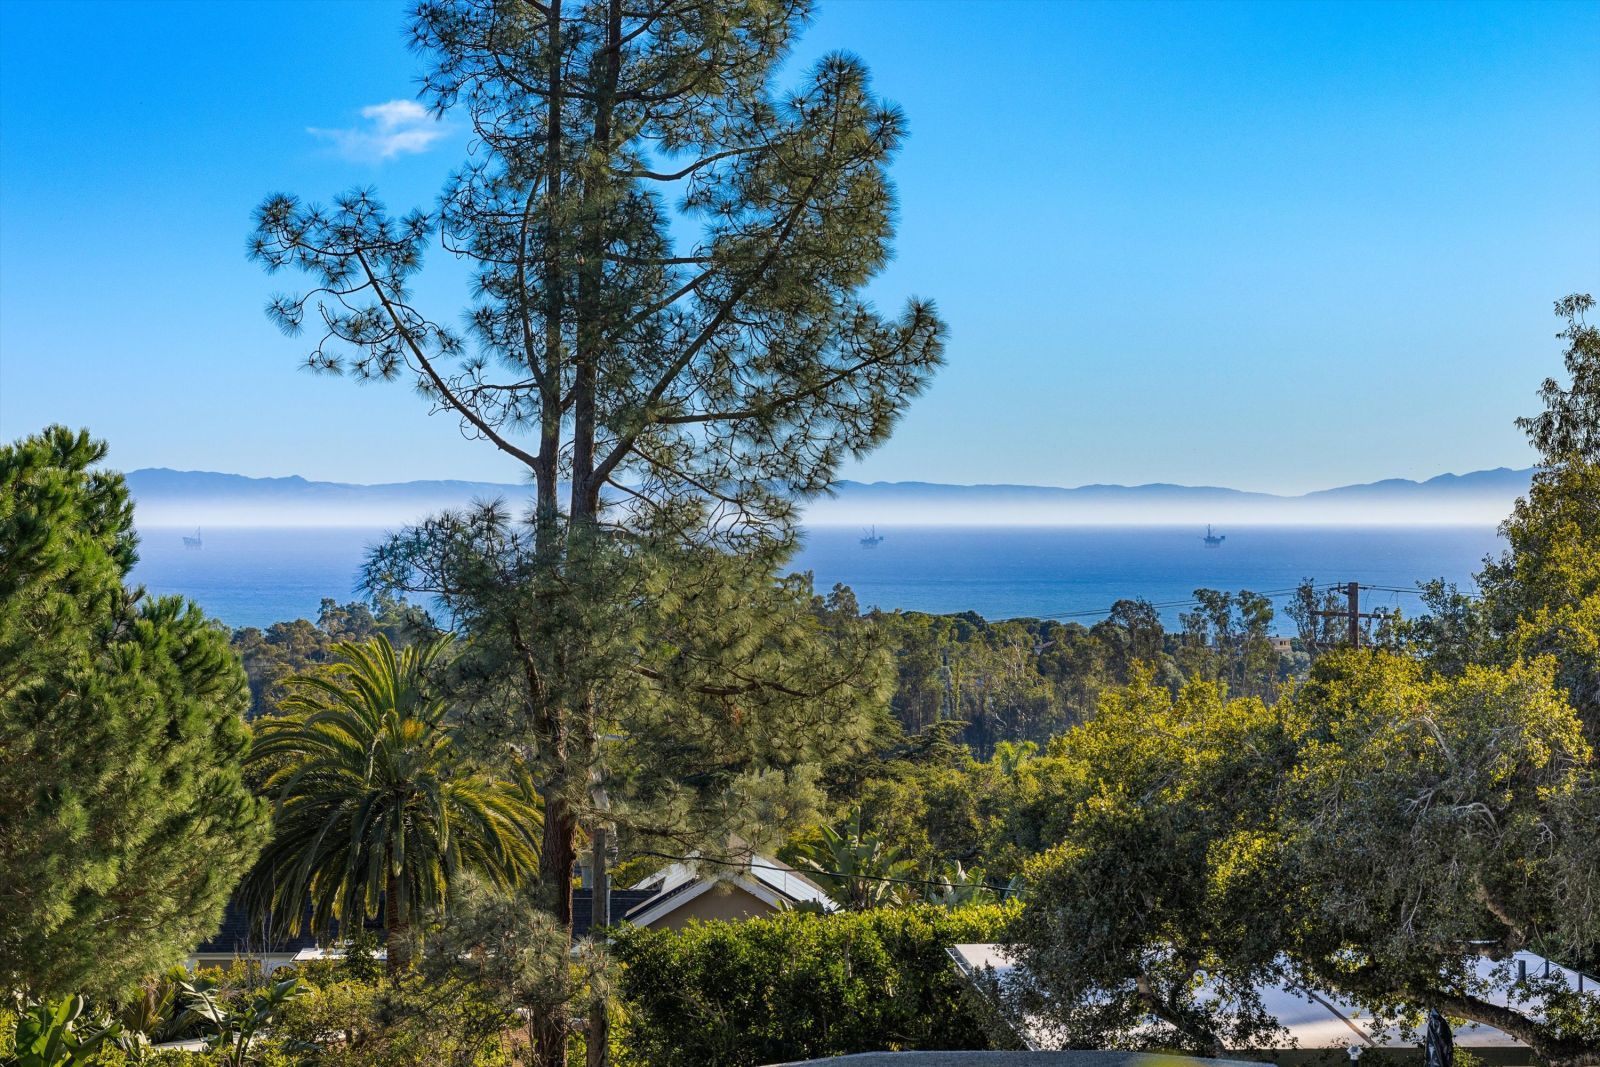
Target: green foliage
column 1375, row 834
column 374, row 800
column 1024, row 680
column 235, row 1024
column 360, row 959
column 1542, row 597
column 264, row 1052
column 670, row 404
column 989, row 676
column 154, row 1013
column 57, row 1034
column 514, row 956
column 946, row 809
column 1568, row 428
column 859, row 869
column 1156, row 875
column 961, row 887
column 284, row 649
column 796, row 985
column 1226, row 639
column 1430, row 822
column 1451, row 634
column 410, row 1023
column 124, row 817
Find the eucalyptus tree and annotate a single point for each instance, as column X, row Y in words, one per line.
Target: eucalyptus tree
column 1569, row 426
column 1542, row 595
column 1225, row 640
column 668, row 332
column 375, row 804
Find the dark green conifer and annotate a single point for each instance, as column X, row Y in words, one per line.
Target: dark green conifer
column 124, row 820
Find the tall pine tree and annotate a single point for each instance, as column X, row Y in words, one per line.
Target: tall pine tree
column 668, row 332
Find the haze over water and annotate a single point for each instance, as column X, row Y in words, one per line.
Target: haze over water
column 257, row 576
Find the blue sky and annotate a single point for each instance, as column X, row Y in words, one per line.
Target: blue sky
column 1271, row 246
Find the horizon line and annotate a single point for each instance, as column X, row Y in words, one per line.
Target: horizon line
column 823, row 494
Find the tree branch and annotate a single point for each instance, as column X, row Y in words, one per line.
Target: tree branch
column 626, row 442
column 455, row 402
column 659, row 176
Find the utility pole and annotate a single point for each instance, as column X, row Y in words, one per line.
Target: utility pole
column 1352, row 611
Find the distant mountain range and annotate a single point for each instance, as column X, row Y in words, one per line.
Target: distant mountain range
column 203, row 498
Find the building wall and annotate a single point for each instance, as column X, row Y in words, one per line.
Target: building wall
column 270, row 961
column 726, row 902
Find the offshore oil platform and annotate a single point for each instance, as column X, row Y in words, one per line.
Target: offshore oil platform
column 1213, row 540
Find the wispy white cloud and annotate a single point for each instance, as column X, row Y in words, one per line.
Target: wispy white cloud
column 395, row 128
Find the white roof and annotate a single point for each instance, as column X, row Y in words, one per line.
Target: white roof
column 776, row 884
column 1316, row 1020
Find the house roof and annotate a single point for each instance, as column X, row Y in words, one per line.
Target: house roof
column 770, row 881
column 622, row 902
column 237, row 936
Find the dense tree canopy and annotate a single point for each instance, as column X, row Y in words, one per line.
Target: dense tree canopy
column 1157, row 875
column 295, row 646
column 1429, row 824
column 1376, row 834
column 1541, row 596
column 1381, row 832
column 1029, row 679
column 124, row 818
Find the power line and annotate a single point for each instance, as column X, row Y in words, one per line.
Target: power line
column 1332, row 587
column 1351, row 612
column 1190, row 603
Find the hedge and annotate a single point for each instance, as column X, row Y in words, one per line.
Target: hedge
column 798, row 985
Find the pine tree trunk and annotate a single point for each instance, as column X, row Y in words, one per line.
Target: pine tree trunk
column 549, row 1029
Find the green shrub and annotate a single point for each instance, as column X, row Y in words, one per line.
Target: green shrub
column 796, row 985
column 407, row 1024
column 57, row 1033
column 262, row 1054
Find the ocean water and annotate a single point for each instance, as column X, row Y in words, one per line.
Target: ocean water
column 257, row 576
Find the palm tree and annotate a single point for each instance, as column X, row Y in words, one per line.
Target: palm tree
column 1009, row 756
column 375, row 802
column 855, row 866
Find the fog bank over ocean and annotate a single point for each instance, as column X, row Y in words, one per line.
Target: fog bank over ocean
column 1481, row 498
column 255, row 576
column 272, row 548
